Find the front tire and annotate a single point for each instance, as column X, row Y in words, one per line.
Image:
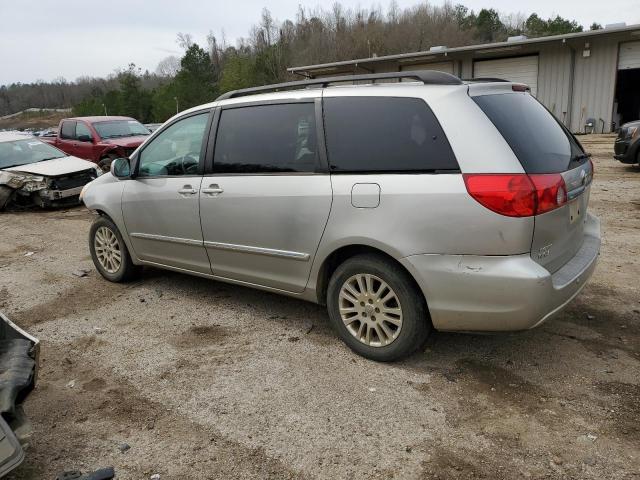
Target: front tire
column 377, row 309
column 105, row 162
column 109, row 252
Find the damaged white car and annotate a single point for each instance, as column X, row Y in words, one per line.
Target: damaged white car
column 35, row 173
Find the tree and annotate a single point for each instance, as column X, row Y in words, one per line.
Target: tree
column 538, row 27
column 238, row 72
column 184, row 40
column 559, row 26
column 595, row 26
column 311, row 37
column 489, row 26
column 168, row 66
column 194, row 83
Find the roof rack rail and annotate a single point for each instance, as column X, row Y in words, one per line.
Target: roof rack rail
column 484, row 79
column 428, row 77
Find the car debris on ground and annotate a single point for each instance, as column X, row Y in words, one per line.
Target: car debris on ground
column 103, row 474
column 19, row 355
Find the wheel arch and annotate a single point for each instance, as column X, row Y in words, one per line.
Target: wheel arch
column 343, row 253
column 118, row 221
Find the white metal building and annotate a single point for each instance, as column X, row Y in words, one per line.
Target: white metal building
column 579, row 76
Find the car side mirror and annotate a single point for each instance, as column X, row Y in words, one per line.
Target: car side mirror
column 121, row 168
column 85, row 138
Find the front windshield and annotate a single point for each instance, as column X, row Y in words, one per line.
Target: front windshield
column 120, row 128
column 29, row 150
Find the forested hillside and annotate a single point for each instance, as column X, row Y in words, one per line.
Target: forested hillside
column 314, row 36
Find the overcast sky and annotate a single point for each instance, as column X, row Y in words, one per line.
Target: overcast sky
column 45, row 39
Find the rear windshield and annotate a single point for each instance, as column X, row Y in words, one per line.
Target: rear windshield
column 539, row 141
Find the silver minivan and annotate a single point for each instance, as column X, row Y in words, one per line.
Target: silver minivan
column 403, row 201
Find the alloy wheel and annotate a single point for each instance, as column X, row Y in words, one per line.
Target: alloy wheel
column 370, row 310
column 107, row 249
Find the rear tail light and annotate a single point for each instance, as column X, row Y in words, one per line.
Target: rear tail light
column 520, row 87
column 519, row 194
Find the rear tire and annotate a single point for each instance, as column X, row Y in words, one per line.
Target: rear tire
column 366, row 286
column 109, row 252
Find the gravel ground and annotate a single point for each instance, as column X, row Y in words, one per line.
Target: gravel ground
column 206, row 380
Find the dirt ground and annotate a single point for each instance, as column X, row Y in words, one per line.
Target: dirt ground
column 209, row 381
column 35, row 120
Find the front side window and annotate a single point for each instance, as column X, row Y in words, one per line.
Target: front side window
column 385, row 134
column 176, row 150
column 68, row 130
column 267, row 139
column 82, row 130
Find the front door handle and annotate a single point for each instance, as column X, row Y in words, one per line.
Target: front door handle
column 187, row 190
column 213, row 190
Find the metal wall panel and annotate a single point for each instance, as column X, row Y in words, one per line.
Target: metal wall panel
column 594, row 84
column 446, row 67
column 466, row 69
column 554, row 80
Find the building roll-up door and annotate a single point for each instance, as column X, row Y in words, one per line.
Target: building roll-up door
column 515, row 69
column 629, row 57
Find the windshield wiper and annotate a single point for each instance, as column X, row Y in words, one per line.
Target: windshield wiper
column 580, row 156
column 50, row 158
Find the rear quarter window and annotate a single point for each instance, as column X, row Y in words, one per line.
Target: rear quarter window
column 385, row 134
column 540, row 142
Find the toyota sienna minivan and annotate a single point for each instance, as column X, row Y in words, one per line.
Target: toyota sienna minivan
column 421, row 202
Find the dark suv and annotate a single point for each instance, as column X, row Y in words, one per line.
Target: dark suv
column 627, row 146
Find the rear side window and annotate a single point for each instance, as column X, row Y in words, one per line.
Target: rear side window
column 267, row 139
column 539, row 141
column 385, row 134
column 68, row 130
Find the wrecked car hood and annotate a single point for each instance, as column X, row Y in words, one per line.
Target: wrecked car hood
column 55, row 167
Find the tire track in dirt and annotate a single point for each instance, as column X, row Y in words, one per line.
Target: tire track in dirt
column 161, row 440
column 83, row 295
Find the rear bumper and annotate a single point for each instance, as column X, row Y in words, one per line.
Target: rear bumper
column 624, row 158
column 625, row 151
column 501, row 293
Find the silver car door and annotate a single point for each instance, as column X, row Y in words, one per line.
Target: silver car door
column 160, row 204
column 266, row 203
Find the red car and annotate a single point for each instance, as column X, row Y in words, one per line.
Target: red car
column 99, row 139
